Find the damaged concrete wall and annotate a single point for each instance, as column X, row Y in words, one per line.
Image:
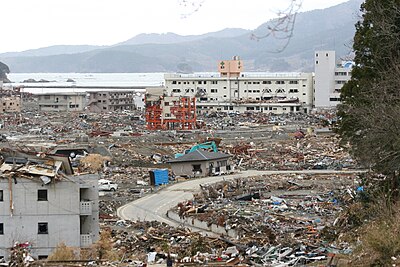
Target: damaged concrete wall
column 46, row 215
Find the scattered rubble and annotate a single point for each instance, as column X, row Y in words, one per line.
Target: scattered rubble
column 276, row 220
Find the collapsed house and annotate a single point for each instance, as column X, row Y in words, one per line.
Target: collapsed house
column 43, row 204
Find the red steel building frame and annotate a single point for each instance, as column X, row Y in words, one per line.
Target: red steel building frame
column 183, row 114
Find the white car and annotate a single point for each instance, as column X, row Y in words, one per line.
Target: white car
column 107, row 185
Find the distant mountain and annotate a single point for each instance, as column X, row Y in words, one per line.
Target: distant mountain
column 326, row 29
column 4, row 70
column 53, row 50
column 172, row 38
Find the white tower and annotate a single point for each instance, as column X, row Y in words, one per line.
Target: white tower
column 325, row 63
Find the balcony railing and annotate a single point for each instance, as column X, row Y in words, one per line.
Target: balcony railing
column 85, row 207
column 86, row 240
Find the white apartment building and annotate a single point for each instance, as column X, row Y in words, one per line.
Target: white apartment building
column 329, row 78
column 230, row 90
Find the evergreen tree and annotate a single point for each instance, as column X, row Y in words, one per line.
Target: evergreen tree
column 370, row 107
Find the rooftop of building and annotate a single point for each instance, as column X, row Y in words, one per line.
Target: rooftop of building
column 200, row 155
column 242, row 75
column 63, row 94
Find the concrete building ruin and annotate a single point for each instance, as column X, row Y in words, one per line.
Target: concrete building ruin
column 106, row 101
column 10, row 100
column 43, row 203
column 10, row 104
column 169, row 112
column 72, row 101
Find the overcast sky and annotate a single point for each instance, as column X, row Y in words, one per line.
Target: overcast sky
column 29, row 24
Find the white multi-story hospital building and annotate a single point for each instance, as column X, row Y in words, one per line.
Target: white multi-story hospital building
column 232, row 90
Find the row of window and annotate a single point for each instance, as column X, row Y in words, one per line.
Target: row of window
column 270, row 82
column 10, row 104
column 266, row 90
column 271, row 108
column 342, row 73
column 198, row 82
column 57, row 106
column 327, row 54
column 252, row 108
column 216, row 82
column 341, row 82
column 41, row 195
column 43, row 228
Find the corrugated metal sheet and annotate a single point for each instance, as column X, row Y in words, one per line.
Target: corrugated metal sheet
column 159, row 177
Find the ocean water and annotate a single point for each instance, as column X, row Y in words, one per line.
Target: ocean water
column 83, row 79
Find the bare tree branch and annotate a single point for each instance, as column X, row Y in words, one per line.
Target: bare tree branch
column 191, row 7
column 282, row 28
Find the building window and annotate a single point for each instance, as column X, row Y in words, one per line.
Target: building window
column 197, row 168
column 293, row 90
column 42, row 195
column 316, row 54
column 1, row 229
column 1, row 195
column 43, row 228
column 340, row 73
column 279, row 82
column 267, row 82
column 214, row 90
column 316, row 62
column 293, row 82
column 340, row 82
